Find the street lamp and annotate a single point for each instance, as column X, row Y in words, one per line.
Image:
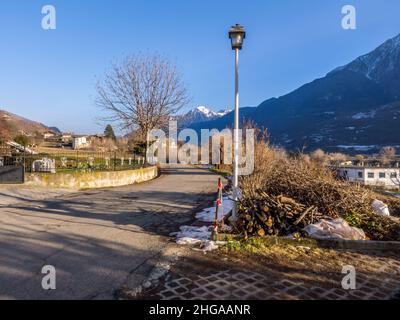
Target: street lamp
column 237, row 34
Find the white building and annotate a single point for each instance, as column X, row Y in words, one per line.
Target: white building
column 387, row 177
column 49, row 135
column 79, row 142
column 66, row 137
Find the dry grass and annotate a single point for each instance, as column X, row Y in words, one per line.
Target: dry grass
column 311, row 183
column 305, row 181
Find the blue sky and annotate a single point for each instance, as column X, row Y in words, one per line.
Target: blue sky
column 50, row 76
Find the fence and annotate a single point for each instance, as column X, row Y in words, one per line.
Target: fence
column 72, row 161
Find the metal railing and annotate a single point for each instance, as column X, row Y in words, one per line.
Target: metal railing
column 73, row 161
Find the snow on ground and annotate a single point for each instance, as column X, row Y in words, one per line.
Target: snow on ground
column 357, row 147
column 363, row 115
column 207, row 215
column 192, row 235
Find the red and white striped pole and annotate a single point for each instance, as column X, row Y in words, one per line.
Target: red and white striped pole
column 214, row 233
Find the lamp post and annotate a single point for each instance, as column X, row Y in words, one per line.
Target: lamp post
column 237, row 35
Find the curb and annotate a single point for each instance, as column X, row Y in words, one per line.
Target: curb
column 162, row 264
column 360, row 245
column 365, row 245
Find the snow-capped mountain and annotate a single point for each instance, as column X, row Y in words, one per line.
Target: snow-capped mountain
column 353, row 108
column 381, row 65
column 200, row 114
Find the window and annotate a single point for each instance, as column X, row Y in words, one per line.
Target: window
column 393, row 175
column 360, row 174
column 371, row 175
column 382, row 175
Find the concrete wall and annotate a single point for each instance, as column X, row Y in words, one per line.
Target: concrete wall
column 385, row 181
column 88, row 180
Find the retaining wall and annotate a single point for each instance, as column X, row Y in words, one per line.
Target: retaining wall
column 12, row 174
column 89, row 180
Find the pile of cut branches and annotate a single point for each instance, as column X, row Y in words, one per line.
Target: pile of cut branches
column 262, row 214
column 314, row 191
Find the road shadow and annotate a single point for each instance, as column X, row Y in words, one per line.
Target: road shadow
column 98, row 240
column 158, row 215
column 86, row 267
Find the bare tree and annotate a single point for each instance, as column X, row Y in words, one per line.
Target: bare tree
column 141, row 93
column 389, row 152
column 337, row 157
column 386, row 154
column 396, row 180
column 319, row 156
column 360, row 159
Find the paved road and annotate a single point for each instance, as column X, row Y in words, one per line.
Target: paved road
column 98, row 240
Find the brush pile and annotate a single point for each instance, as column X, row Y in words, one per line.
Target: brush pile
column 287, row 192
column 262, row 214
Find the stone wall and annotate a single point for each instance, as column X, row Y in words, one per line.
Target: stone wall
column 89, row 180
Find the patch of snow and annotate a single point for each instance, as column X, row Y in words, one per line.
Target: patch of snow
column 357, row 147
column 209, row 245
column 207, row 215
column 363, row 115
column 210, row 113
column 192, row 235
column 222, row 113
column 159, row 271
column 200, row 236
column 226, row 228
column 207, row 112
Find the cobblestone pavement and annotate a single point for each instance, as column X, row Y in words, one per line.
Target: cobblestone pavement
column 304, row 277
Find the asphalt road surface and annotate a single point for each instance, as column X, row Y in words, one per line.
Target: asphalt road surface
column 97, row 240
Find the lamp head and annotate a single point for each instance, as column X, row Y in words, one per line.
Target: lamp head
column 237, row 34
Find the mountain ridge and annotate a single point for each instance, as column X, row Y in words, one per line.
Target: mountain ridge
column 12, row 125
column 357, row 104
column 199, row 114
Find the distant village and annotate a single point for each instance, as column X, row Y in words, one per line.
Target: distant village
column 52, row 141
column 70, row 140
